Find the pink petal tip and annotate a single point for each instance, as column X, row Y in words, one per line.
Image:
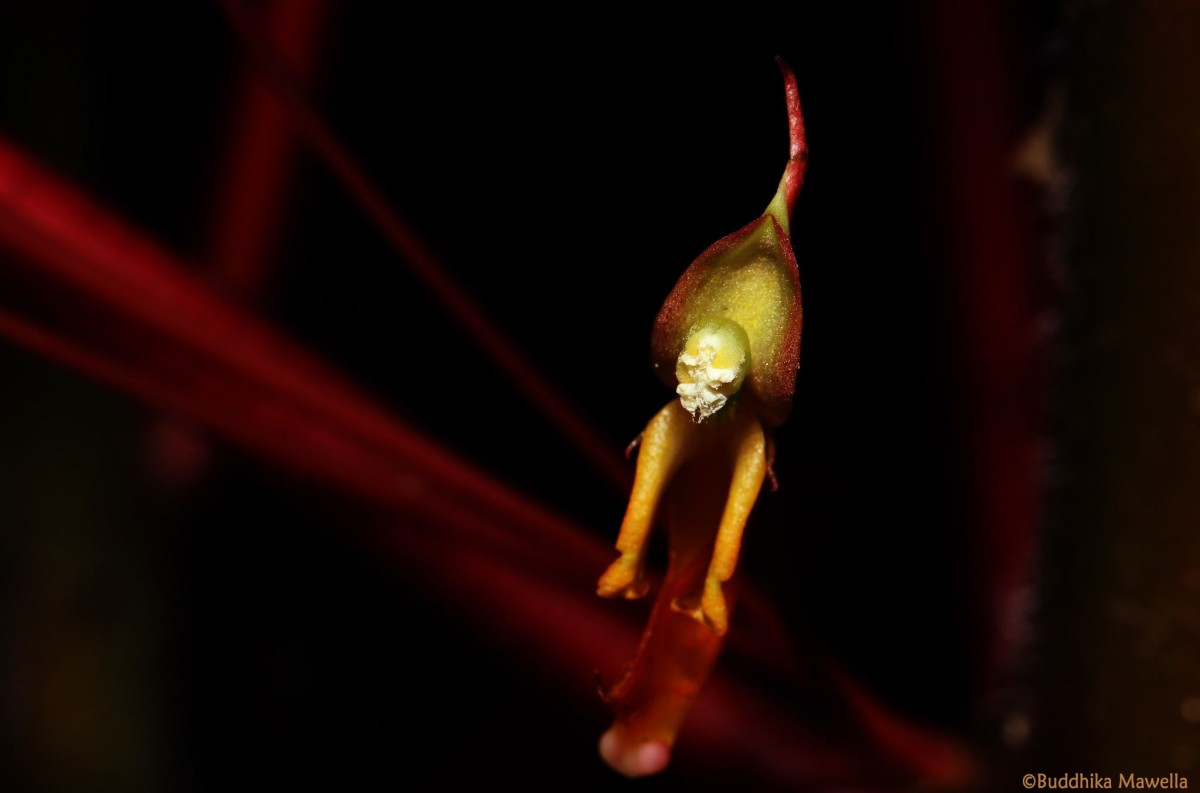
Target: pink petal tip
column 633, row 758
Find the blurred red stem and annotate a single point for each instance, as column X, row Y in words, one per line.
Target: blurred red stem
column 419, row 258
column 257, row 171
column 214, row 361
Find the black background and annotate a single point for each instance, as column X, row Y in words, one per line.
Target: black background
column 566, row 180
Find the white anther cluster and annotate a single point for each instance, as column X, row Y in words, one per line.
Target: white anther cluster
column 704, row 388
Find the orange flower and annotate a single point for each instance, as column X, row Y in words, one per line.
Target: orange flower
column 728, row 341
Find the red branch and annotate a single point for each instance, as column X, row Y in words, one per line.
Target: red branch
column 152, row 328
column 419, row 258
column 256, row 177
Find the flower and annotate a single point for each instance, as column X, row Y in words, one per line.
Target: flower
column 728, row 340
column 127, row 312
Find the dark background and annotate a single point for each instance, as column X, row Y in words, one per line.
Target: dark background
column 221, row 627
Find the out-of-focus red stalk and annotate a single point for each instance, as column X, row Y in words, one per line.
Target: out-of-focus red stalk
column 84, row 289
column 300, row 441
column 167, row 338
column 418, row 257
column 250, row 203
column 257, row 171
column 991, row 250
